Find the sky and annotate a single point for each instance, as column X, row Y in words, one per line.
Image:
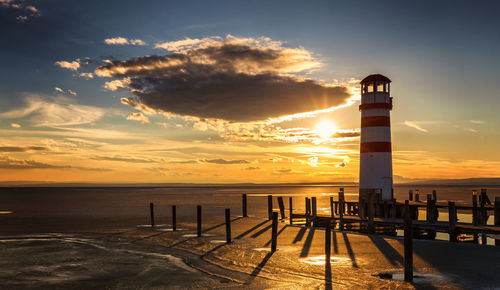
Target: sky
column 243, row 91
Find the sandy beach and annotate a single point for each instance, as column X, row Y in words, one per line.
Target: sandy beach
column 60, row 243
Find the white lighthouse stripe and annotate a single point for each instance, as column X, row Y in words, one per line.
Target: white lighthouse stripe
column 376, row 134
column 376, row 172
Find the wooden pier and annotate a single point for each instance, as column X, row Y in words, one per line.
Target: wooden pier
column 386, row 217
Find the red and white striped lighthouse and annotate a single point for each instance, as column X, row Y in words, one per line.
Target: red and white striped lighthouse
column 375, row 168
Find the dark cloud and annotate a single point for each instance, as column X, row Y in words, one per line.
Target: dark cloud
column 123, row 159
column 236, row 80
column 223, row 161
column 22, row 149
column 9, row 163
column 252, row 168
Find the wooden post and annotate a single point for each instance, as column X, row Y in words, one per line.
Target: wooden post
column 198, row 220
column 174, row 218
column 228, row 225
column 434, row 195
column 475, row 216
column 417, row 196
column 410, row 194
column 308, row 212
column 497, row 216
column 290, row 204
column 152, row 213
column 431, row 234
column 328, row 246
column 274, row 232
column 314, row 212
column 408, row 245
column 371, row 212
column 341, row 210
column 332, row 210
column 244, row 204
column 281, row 206
column 394, row 209
column 269, row 207
column 452, row 220
column 484, row 214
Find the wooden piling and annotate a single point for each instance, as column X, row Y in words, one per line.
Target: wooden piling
column 371, row 213
column 430, row 216
column 394, row 209
column 314, row 211
column 484, row 213
column 244, row 205
column 308, row 212
column 475, row 216
column 228, row 225
column 497, row 217
column 174, row 218
column 198, row 220
column 410, row 194
column 434, row 195
column 282, row 207
column 290, row 205
column 328, row 246
column 152, row 213
column 332, row 210
column 269, row 207
column 408, row 245
column 341, row 210
column 452, row 221
column 417, row 197
column 274, row 231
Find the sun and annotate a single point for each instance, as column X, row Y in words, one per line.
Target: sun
column 325, row 128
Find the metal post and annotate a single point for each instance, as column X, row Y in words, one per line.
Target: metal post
column 290, row 204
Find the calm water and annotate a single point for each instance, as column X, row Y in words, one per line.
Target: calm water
column 41, row 210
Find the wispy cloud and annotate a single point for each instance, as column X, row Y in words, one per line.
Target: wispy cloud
column 11, row 163
column 223, row 161
column 15, row 125
column 53, row 114
column 479, row 122
column 21, row 5
column 22, row 149
column 86, row 75
column 123, row 159
column 73, row 65
column 415, row 125
column 138, row 117
column 123, row 41
column 69, row 91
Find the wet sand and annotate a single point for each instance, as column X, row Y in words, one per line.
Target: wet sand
column 100, row 239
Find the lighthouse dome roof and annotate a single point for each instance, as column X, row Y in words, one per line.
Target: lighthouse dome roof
column 375, row 78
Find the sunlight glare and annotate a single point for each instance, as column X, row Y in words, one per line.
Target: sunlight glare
column 325, row 128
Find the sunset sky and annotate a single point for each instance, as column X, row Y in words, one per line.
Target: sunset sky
column 243, row 91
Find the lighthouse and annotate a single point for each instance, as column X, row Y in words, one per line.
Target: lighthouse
column 375, row 168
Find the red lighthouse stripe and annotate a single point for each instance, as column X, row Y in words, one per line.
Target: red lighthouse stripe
column 376, row 121
column 376, row 106
column 370, row 147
